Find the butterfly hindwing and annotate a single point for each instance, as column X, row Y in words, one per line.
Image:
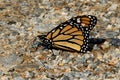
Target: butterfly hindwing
column 69, row 37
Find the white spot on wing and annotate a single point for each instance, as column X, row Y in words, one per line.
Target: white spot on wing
column 78, row 20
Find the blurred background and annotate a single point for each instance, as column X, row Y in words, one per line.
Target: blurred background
column 22, row 20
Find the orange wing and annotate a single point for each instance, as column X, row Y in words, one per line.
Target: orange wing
column 71, row 35
column 87, row 22
column 69, row 38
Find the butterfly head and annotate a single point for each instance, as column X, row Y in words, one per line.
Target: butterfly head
column 44, row 42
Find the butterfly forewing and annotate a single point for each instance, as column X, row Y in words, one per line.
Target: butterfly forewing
column 85, row 21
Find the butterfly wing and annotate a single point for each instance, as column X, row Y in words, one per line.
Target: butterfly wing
column 71, row 35
column 86, row 22
column 68, row 37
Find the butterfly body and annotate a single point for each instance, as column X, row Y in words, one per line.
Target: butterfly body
column 72, row 35
column 45, row 42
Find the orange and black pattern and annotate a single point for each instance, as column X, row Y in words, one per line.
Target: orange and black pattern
column 86, row 22
column 72, row 35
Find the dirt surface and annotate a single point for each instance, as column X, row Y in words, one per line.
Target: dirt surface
column 22, row 20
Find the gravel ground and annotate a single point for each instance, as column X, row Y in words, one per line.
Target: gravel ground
column 22, row 20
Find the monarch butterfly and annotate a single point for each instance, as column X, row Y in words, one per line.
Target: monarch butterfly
column 72, row 35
